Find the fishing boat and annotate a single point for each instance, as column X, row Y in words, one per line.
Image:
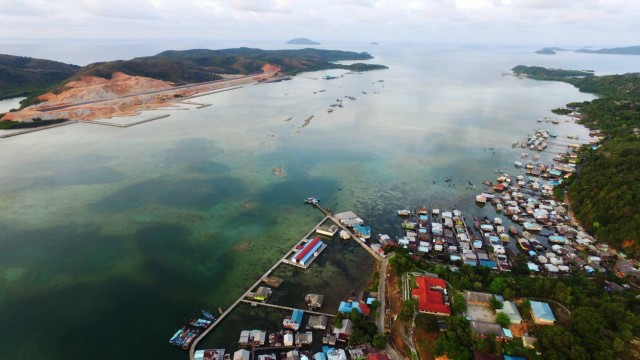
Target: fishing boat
column 176, row 335
column 200, row 323
column 208, row 315
column 532, row 226
column 404, row 212
column 537, row 245
column 481, row 199
column 312, row 200
column 513, row 230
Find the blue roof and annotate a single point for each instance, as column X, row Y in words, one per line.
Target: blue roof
column 346, row 307
column 370, row 301
column 327, row 349
column 488, row 263
column 319, row 356
column 507, row 333
column 424, row 217
column 555, row 172
column 297, row 316
column 511, row 357
column 364, row 230
column 542, row 311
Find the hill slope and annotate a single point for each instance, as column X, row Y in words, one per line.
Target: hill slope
column 21, row 76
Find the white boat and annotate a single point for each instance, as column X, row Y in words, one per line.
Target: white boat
column 481, row 199
column 404, row 212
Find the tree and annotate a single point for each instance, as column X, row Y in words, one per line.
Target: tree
column 459, row 304
column 503, row 319
column 427, row 322
column 408, row 309
column 379, row 341
column 495, row 303
column 508, row 293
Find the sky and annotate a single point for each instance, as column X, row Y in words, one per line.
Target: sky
column 544, row 22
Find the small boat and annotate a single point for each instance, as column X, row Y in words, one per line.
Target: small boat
column 513, row 230
column 208, row 315
column 497, row 221
column 329, row 110
column 481, row 199
column 220, row 310
column 404, row 212
column 176, row 335
column 312, row 200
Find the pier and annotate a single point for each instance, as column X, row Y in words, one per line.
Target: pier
column 330, row 216
column 241, row 299
column 16, row 133
column 96, row 122
column 281, row 307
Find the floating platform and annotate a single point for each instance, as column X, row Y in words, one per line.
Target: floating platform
column 273, row 281
column 327, row 230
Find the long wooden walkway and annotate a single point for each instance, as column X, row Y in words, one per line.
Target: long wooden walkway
column 192, row 349
column 281, row 307
column 329, row 215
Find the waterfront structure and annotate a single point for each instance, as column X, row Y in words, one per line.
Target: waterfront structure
column 309, row 251
column 430, row 296
column 347, row 306
column 294, row 321
column 343, row 333
column 542, row 314
column 318, row 322
column 241, row 354
column 211, row 354
column 327, row 230
column 314, row 300
column 349, row 218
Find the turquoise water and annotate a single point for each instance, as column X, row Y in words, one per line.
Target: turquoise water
column 112, row 238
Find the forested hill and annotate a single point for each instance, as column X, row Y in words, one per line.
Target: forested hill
column 21, row 76
column 179, row 67
column 606, row 192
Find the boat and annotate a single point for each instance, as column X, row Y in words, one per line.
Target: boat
column 189, row 339
column 498, row 207
column 312, row 200
column 497, row 221
column 200, row 323
column 208, row 315
column 404, row 212
column 329, row 110
column 487, row 183
column 555, row 121
column 513, row 230
column 220, row 310
column 176, row 335
column 537, row 245
column 517, row 164
column 532, row 226
column 481, row 199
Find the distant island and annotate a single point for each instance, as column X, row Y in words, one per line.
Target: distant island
column 629, row 50
column 546, row 51
column 540, row 73
column 375, row 43
column 125, row 87
column 302, row 41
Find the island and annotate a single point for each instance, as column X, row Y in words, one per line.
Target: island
column 546, row 51
column 302, row 41
column 628, row 50
column 126, row 87
column 21, row 75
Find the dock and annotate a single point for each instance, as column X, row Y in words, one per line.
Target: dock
column 16, row 133
column 105, row 123
column 330, row 216
column 242, row 297
column 281, row 307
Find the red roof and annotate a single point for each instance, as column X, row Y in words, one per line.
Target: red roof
column 429, row 300
column 301, row 254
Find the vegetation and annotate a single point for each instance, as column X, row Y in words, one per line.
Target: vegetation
column 540, row 73
column 6, row 125
column 503, row 319
column 178, row 67
column 22, row 76
column 604, row 194
column 561, row 111
column 600, row 325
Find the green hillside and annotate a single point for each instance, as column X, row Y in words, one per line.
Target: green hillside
column 606, row 191
column 22, row 76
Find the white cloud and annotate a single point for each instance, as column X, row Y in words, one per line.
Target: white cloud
column 432, row 20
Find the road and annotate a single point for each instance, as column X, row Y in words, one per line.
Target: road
column 172, row 89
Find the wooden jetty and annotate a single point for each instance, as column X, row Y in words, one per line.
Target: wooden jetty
column 281, row 307
column 330, row 216
column 243, row 296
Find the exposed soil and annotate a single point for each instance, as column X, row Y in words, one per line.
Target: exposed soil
column 92, row 98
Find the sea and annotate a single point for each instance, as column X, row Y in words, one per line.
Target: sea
column 111, row 239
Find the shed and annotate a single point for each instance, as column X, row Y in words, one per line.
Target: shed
column 343, row 333
column 241, row 354
column 318, row 322
column 314, row 300
column 541, row 313
column 510, row 309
